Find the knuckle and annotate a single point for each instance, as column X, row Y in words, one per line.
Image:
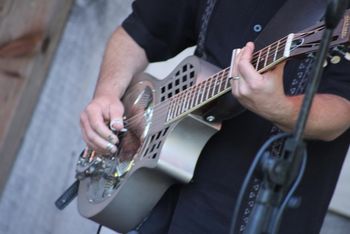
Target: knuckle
column 240, row 64
column 91, row 108
column 90, row 136
column 245, row 92
column 94, row 125
column 82, row 118
column 254, row 86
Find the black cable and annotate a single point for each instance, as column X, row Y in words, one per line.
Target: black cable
column 249, row 175
column 99, row 229
column 290, row 193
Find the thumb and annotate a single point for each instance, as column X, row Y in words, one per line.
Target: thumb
column 116, row 111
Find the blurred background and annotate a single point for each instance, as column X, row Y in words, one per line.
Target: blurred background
column 50, row 54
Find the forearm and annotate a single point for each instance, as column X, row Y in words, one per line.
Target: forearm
column 264, row 95
column 122, row 60
column 329, row 116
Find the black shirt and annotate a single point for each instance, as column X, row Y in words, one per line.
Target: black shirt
column 164, row 28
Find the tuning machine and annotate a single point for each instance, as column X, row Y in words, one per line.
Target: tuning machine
column 343, row 51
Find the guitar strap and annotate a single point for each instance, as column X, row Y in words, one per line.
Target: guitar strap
column 290, row 18
column 293, row 16
column 203, row 30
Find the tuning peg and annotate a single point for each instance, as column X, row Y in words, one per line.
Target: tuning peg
column 342, row 51
column 335, row 59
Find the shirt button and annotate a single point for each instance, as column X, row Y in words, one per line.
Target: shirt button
column 257, row 28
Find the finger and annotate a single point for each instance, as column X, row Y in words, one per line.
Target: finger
column 235, row 73
column 87, row 141
column 247, row 52
column 116, row 116
column 96, row 142
column 83, row 127
column 98, row 125
column 245, row 68
column 83, row 133
column 93, row 139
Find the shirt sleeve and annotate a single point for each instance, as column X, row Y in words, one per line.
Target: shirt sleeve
column 162, row 28
column 336, row 79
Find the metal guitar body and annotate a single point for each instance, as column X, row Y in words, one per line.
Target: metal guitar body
column 119, row 191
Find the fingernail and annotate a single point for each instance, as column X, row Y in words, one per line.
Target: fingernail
column 115, row 124
column 113, row 139
column 111, row 148
column 114, row 149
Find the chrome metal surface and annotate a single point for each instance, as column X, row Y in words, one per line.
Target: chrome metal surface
column 106, row 172
column 120, row 190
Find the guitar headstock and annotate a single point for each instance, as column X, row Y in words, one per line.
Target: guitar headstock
column 309, row 39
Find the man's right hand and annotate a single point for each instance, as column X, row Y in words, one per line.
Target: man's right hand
column 102, row 119
column 100, row 122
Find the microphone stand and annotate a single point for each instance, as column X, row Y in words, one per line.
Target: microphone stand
column 280, row 173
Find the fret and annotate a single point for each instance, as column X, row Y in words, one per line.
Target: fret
column 183, row 103
column 227, row 83
column 276, row 51
column 258, row 60
column 223, row 77
column 210, row 87
column 261, row 63
column 188, row 99
column 216, row 88
column 280, row 52
column 193, row 97
column 177, row 105
column 199, row 94
column 207, row 91
column 173, row 107
column 215, row 78
column 203, row 89
column 170, row 110
column 267, row 56
column 183, row 94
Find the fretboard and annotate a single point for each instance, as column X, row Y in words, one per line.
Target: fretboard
column 218, row 84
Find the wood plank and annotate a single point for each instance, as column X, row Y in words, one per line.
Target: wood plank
column 45, row 164
column 29, row 34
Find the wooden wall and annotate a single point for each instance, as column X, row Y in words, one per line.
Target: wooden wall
column 46, row 159
column 29, row 33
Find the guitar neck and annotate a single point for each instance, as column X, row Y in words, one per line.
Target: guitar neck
column 218, row 84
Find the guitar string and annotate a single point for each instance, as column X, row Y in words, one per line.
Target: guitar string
column 188, row 93
column 193, row 89
column 159, row 108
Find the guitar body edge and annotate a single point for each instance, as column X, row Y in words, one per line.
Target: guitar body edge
column 146, row 184
column 161, row 162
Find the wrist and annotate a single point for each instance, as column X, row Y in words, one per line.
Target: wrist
column 285, row 114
